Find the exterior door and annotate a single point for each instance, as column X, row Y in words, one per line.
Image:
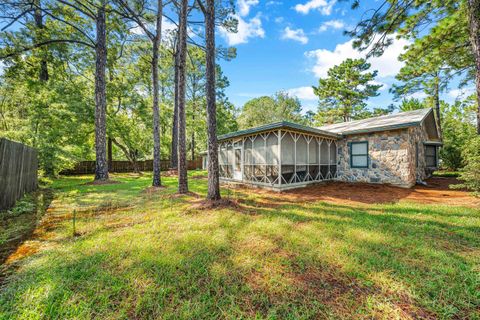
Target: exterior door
column 237, row 167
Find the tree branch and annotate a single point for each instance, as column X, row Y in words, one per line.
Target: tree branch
column 44, row 43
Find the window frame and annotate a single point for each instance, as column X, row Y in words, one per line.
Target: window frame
column 360, row 155
column 428, row 156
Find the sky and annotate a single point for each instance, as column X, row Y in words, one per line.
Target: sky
column 289, row 45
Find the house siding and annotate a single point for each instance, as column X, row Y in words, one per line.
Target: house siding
column 418, row 135
column 391, row 157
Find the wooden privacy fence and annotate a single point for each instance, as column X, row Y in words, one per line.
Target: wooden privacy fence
column 88, row 167
column 18, row 171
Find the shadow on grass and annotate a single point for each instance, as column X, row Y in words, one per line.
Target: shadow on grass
column 292, row 259
column 18, row 226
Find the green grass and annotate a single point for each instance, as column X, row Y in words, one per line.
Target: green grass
column 446, row 173
column 153, row 255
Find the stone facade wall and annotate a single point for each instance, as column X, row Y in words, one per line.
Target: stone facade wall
column 392, row 157
column 417, row 136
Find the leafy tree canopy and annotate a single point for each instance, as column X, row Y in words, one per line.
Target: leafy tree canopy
column 343, row 93
column 279, row 107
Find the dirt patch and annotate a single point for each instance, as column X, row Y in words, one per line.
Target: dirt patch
column 436, row 191
column 152, row 189
column 24, row 250
column 170, row 173
column 199, row 177
column 342, row 294
column 215, row 204
column 101, row 182
column 21, row 227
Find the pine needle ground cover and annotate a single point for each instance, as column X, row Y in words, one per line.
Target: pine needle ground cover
column 149, row 253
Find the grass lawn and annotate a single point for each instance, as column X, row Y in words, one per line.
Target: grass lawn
column 143, row 254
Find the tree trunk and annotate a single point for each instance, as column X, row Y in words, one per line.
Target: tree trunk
column 474, row 30
column 192, row 146
column 156, row 113
column 212, row 148
column 43, row 74
column 128, row 154
column 174, row 148
column 436, row 97
column 109, row 153
column 182, row 148
column 101, row 166
column 49, row 152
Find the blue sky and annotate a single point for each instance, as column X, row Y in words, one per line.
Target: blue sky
column 289, row 45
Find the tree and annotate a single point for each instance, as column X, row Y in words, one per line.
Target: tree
column 458, row 129
column 101, row 165
column 411, row 104
column 155, row 37
column 453, row 28
column 279, row 107
column 213, row 193
column 343, row 92
column 182, row 148
column 470, row 174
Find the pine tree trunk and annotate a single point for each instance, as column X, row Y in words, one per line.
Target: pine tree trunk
column 156, row 113
column 182, row 148
column 109, row 153
column 101, row 167
column 49, row 152
column 194, row 109
column 213, row 171
column 474, row 28
column 43, row 74
column 437, row 104
column 174, row 148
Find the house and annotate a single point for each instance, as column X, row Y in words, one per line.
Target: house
column 399, row 149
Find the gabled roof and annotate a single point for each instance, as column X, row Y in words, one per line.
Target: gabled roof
column 278, row 125
column 382, row 123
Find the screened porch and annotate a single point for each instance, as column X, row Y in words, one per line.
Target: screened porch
column 279, row 158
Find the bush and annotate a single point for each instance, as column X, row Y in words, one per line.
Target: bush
column 470, row 174
column 451, row 156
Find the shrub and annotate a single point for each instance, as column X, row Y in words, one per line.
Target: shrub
column 470, row 174
column 451, row 157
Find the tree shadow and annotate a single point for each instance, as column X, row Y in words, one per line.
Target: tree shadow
column 20, row 227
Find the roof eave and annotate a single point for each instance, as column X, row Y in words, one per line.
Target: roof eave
column 277, row 125
column 383, row 128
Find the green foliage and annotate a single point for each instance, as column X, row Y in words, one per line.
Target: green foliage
column 470, row 174
column 410, row 104
column 458, row 128
column 279, row 107
column 343, row 93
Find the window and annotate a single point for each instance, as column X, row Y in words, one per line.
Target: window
column 431, row 156
column 359, row 154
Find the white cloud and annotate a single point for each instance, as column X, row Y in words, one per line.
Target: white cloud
column 461, row 93
column 383, row 85
column 279, row 19
column 273, row 3
column 167, row 26
column 324, row 6
column 418, row 95
column 387, row 64
column 295, row 34
column 244, row 6
column 303, row 93
column 332, row 24
column 246, row 30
